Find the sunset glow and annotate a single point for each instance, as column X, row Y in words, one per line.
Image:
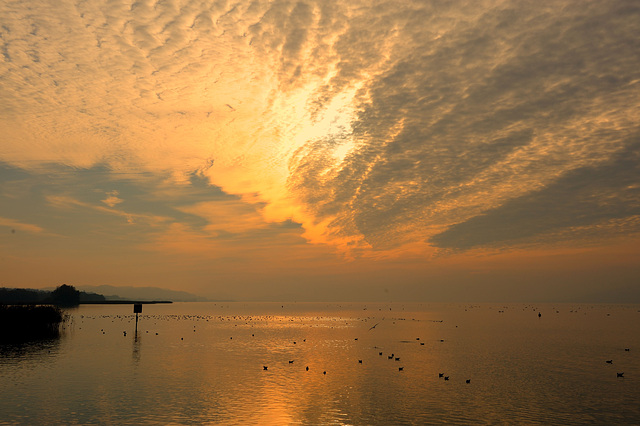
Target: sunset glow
column 322, row 150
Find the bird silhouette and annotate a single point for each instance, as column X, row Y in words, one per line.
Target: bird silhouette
column 374, row 326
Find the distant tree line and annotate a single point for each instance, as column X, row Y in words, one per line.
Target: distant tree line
column 64, row 295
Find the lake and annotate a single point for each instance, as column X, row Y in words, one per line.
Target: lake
column 368, row 364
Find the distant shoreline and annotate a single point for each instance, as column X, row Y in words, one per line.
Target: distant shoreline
column 95, row 302
column 125, row 302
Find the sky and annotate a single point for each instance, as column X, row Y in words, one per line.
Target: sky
column 323, row 150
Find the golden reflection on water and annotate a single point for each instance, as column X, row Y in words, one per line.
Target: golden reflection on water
column 137, row 340
column 203, row 363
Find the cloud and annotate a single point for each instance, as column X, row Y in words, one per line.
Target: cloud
column 231, row 216
column 480, row 107
column 65, row 202
column 376, row 125
column 603, row 200
column 112, row 199
column 20, row 226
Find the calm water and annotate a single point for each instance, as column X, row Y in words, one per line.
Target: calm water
column 193, row 363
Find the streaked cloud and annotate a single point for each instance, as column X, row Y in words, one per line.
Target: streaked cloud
column 484, row 106
column 66, row 202
column 601, row 201
column 16, row 225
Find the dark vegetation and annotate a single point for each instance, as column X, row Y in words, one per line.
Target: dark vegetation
column 19, row 323
column 64, row 295
column 27, row 315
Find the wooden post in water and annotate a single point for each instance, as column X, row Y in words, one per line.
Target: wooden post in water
column 137, row 309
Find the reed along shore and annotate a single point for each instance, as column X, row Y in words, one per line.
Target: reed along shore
column 29, row 322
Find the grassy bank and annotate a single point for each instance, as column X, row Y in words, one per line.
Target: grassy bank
column 23, row 323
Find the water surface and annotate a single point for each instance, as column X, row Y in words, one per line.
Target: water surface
column 194, row 363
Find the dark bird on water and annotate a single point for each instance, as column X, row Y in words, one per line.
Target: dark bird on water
column 397, row 359
column 307, row 368
column 264, row 367
column 626, row 349
column 291, row 362
column 380, row 353
column 609, row 361
column 324, row 372
column 446, row 377
column 620, row 374
column 539, row 314
column 359, row 361
column 468, row 380
column 400, row 368
column 440, row 374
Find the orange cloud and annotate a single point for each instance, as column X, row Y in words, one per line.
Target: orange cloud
column 17, row 225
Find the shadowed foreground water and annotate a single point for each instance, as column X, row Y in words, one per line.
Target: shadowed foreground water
column 196, row 363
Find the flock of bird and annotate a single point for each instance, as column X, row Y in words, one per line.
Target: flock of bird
column 390, row 357
column 610, row 361
column 269, row 318
column 247, row 320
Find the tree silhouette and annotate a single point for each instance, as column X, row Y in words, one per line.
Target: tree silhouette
column 65, row 295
